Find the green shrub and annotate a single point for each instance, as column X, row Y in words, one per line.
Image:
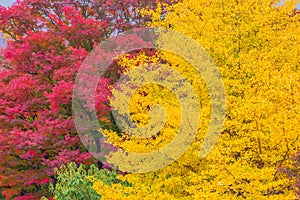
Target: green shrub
column 72, row 182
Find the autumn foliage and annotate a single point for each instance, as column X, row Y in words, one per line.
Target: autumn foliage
column 255, row 45
column 47, row 41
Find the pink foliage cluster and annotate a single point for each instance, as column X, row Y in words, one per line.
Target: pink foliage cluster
column 48, row 42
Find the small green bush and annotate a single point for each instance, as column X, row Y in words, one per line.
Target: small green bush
column 73, row 182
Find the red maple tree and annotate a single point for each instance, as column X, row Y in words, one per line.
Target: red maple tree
column 49, row 39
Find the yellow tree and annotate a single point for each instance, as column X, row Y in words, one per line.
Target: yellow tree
column 255, row 45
